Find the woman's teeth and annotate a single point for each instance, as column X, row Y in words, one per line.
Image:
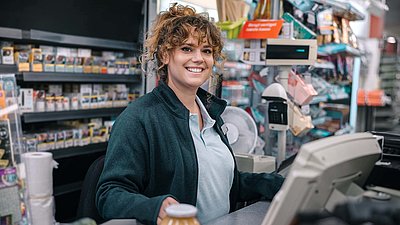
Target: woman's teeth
column 195, row 70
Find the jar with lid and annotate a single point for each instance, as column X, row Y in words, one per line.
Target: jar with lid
column 180, row 214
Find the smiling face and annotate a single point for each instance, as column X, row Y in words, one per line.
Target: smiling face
column 189, row 65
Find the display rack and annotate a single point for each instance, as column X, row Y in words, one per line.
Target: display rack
column 386, row 118
column 80, row 150
column 67, row 188
column 8, row 69
column 66, row 39
column 331, row 49
column 11, row 33
column 63, row 77
column 343, row 9
column 36, row 117
column 67, row 182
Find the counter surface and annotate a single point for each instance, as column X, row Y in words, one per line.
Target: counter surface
column 252, row 214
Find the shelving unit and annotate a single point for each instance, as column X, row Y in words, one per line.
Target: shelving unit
column 8, row 69
column 76, row 24
column 36, row 117
column 66, row 39
column 62, row 77
column 331, row 49
column 386, row 118
column 10, row 33
column 80, row 150
column 73, row 161
column 66, row 189
column 343, row 9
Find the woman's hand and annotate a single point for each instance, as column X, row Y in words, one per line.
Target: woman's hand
column 167, row 202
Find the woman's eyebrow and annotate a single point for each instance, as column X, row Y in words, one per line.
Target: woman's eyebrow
column 191, row 44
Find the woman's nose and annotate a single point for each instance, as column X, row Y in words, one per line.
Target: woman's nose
column 197, row 56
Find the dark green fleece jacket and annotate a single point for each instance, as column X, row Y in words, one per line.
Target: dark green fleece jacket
column 151, row 156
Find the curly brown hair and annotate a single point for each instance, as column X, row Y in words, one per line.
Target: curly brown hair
column 172, row 28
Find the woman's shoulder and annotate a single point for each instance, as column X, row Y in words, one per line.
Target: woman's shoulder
column 142, row 104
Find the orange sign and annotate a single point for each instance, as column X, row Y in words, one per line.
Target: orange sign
column 261, row 29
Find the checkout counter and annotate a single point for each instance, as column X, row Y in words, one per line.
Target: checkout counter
column 252, row 214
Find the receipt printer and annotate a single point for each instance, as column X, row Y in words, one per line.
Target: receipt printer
column 255, row 163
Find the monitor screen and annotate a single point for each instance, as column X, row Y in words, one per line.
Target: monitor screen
column 290, row 52
column 324, row 173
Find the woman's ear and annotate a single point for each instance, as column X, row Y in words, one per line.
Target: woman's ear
column 165, row 58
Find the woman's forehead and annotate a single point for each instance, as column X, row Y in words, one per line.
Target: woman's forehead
column 197, row 38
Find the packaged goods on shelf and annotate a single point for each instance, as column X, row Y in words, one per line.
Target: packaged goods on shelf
column 49, row 57
column 7, row 55
column 26, row 101
column 61, row 57
column 21, row 57
column 96, row 64
column 301, row 31
column 236, row 93
column 66, row 136
column 36, row 60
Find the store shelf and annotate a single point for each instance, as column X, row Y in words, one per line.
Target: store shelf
column 67, row 188
column 331, row 49
column 36, row 117
column 11, row 33
column 343, row 9
column 318, row 99
column 388, row 60
column 8, row 68
column 50, row 37
column 78, row 77
column 80, row 150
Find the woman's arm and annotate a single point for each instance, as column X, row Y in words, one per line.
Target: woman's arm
column 124, row 177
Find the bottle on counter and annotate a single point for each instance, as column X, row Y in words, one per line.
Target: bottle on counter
column 180, row 214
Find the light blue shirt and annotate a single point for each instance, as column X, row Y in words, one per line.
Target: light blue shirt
column 216, row 165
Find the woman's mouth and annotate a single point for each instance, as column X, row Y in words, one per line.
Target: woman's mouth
column 194, row 69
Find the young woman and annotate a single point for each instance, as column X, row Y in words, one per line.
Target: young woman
column 168, row 147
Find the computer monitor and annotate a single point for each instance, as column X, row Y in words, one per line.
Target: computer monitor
column 325, row 172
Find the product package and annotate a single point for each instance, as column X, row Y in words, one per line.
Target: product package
column 301, row 30
column 49, row 57
column 61, row 57
column 36, row 60
column 7, row 55
column 21, row 57
column 26, row 101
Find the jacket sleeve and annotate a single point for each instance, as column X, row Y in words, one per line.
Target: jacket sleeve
column 253, row 186
column 124, row 178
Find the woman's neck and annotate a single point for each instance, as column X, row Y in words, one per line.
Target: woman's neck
column 187, row 97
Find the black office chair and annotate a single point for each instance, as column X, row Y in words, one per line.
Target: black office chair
column 87, row 206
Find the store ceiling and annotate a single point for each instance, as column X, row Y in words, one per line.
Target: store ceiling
column 392, row 18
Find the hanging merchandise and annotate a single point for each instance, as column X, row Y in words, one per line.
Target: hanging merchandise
column 301, row 92
column 298, row 122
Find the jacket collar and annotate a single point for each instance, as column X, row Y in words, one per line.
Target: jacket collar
column 214, row 105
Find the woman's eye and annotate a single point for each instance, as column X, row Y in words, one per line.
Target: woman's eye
column 207, row 51
column 186, row 49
